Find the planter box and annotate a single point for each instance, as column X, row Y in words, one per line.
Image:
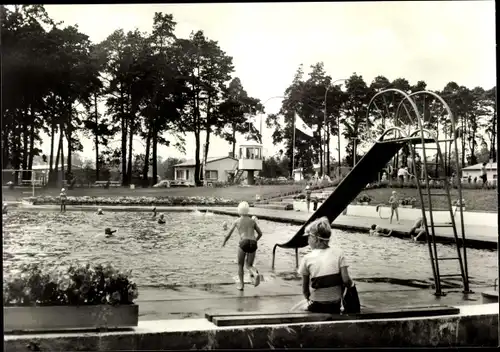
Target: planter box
column 69, row 317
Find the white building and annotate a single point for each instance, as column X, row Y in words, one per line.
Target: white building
column 475, row 171
column 218, row 169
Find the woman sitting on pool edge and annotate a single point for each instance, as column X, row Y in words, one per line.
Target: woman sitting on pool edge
column 323, row 270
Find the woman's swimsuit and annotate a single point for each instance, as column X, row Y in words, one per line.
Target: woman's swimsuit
column 248, row 245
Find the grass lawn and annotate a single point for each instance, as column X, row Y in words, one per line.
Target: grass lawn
column 233, row 192
column 475, row 199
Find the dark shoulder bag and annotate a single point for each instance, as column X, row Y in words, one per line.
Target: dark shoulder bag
column 350, row 299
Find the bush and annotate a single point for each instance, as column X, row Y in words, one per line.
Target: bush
column 84, row 285
column 408, row 201
column 364, row 198
column 434, row 184
column 167, row 200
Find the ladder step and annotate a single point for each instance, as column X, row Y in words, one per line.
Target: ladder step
column 451, row 275
column 448, row 258
column 441, row 225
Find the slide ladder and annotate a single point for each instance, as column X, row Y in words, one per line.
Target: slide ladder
column 427, row 195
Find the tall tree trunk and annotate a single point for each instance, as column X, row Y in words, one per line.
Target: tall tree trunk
column 463, row 141
column 124, row 143
column 96, row 134
column 5, row 144
column 234, row 141
column 130, row 148
column 321, row 147
column 145, row 169
column 25, row 147
column 155, row 153
column 63, row 171
column 328, row 149
column 58, row 154
column 32, row 147
column 493, row 151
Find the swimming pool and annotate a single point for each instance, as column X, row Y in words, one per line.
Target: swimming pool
column 187, row 250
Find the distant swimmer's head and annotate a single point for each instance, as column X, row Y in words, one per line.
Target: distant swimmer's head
column 224, row 226
column 109, row 232
column 162, row 216
column 319, row 232
column 373, row 227
column 243, row 208
column 63, row 189
column 99, row 211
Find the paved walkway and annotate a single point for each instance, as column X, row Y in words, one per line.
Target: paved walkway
column 482, row 237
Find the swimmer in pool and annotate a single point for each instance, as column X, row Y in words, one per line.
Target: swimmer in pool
column 99, row 212
column 224, row 226
column 161, row 220
column 376, row 230
column 4, row 208
column 108, row 232
column 154, row 212
column 248, row 244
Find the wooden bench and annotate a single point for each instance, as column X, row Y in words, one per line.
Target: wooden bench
column 103, row 183
column 260, row 318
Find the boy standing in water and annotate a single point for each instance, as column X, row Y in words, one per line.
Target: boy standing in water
column 248, row 243
column 394, row 202
column 63, row 197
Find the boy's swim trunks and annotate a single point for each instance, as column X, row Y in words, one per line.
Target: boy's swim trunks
column 248, row 245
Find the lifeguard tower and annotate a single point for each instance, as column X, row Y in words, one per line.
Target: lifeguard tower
column 249, row 160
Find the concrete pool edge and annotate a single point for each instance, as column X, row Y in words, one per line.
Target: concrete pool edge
column 350, row 223
column 473, row 326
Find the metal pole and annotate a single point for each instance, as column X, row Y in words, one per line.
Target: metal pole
column 338, row 139
column 326, row 130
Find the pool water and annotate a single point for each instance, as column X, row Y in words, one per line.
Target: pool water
column 188, row 249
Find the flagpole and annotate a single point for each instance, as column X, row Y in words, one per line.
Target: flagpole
column 293, row 148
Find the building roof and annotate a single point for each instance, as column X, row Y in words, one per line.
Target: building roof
column 492, row 166
column 191, row 162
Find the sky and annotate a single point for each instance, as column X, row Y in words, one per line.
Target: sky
column 437, row 42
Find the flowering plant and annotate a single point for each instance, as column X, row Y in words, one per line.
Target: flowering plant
column 364, row 198
column 84, row 285
column 408, row 201
column 126, row 200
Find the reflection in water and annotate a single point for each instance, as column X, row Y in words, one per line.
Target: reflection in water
column 187, row 249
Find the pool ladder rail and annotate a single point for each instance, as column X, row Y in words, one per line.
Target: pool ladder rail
column 426, row 195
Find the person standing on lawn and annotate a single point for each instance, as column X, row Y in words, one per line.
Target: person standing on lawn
column 484, row 175
column 308, row 197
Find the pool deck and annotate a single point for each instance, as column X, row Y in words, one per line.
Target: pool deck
column 481, row 237
column 281, row 296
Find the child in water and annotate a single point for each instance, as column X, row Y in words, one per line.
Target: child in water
column 99, row 212
column 154, row 212
column 161, row 220
column 248, row 243
column 378, row 231
column 63, row 197
column 394, row 202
